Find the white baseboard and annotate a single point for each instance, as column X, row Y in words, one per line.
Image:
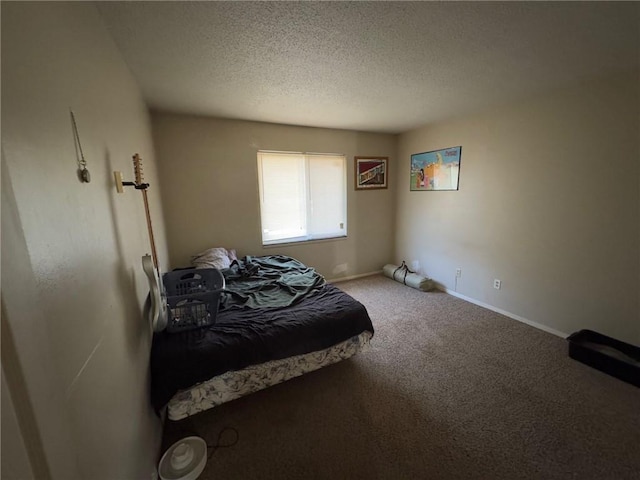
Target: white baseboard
column 353, row 277
column 531, row 323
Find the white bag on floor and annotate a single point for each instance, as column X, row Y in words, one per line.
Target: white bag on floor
column 402, row 274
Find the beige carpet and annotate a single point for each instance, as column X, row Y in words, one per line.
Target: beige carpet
column 448, row 390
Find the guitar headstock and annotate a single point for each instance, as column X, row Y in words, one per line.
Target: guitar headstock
column 137, row 169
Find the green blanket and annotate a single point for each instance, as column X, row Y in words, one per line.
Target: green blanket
column 269, row 281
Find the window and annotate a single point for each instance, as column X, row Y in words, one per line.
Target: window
column 302, row 196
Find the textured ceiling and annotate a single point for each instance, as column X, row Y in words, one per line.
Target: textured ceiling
column 373, row 66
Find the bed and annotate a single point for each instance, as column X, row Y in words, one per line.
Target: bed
column 278, row 319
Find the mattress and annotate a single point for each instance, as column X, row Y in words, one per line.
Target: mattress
column 235, row 384
column 245, row 336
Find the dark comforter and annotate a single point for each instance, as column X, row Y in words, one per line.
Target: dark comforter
column 244, row 336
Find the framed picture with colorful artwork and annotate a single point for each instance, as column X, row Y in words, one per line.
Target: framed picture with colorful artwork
column 436, row 170
column 371, row 172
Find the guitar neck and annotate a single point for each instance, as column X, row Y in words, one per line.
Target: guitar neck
column 154, row 254
column 137, row 167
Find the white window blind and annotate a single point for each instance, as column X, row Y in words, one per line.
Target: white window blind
column 302, row 196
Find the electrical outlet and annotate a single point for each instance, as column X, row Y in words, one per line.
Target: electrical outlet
column 497, row 284
column 458, row 272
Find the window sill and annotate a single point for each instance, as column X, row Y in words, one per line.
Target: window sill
column 304, row 242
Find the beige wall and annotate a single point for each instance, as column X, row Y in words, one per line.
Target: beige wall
column 72, row 284
column 210, row 189
column 15, row 459
column 548, row 203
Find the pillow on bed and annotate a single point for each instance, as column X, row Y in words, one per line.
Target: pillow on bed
column 214, row 258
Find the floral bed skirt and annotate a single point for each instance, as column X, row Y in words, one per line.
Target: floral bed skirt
column 235, row 384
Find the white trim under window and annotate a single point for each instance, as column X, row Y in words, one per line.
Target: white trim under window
column 303, row 196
